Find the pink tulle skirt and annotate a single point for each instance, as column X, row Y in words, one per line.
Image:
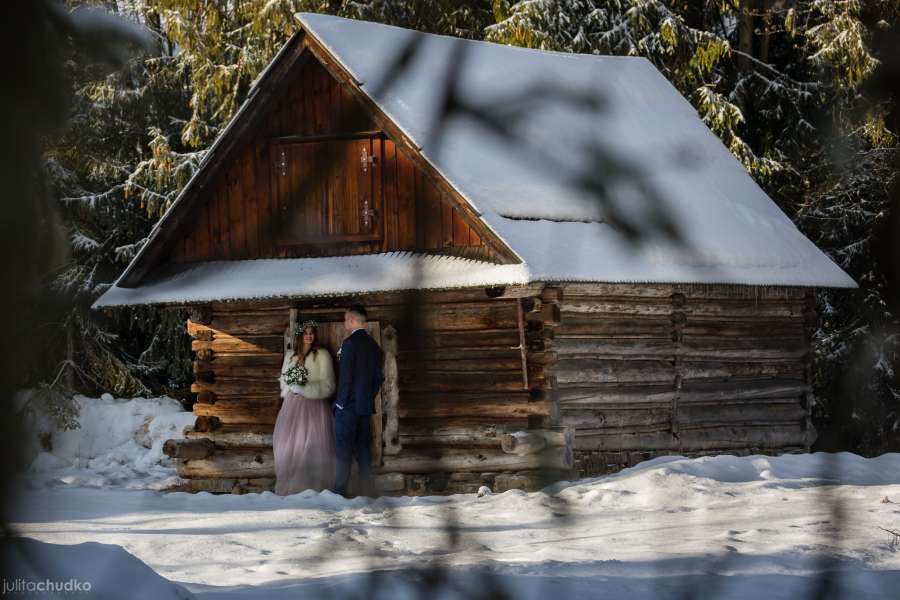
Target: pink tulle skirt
column 303, row 444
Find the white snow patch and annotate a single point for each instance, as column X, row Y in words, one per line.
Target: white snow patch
column 734, row 527
column 86, row 570
column 729, row 527
column 337, row 275
column 119, row 442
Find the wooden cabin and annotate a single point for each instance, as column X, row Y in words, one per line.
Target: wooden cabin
column 526, row 338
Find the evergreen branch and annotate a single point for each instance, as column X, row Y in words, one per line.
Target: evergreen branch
column 776, row 72
column 91, row 199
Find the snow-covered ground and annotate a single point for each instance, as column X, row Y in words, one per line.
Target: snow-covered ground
column 720, row 527
column 119, row 443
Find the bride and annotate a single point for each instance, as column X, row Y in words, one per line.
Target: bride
column 303, row 438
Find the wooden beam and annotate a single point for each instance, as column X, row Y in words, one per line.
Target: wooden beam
column 523, row 349
column 390, row 393
column 289, row 332
column 484, row 460
column 235, row 436
column 535, row 440
column 434, row 405
column 472, row 432
column 229, row 464
column 327, row 137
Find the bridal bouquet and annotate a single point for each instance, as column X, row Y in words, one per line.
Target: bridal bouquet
column 296, row 375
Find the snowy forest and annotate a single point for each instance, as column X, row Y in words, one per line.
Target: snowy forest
column 801, row 91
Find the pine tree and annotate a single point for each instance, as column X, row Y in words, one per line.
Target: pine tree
column 848, row 200
column 459, row 18
column 112, row 176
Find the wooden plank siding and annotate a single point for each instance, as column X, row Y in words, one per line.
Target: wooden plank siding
column 650, row 370
column 239, row 216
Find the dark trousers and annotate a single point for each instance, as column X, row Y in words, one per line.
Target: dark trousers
column 352, row 434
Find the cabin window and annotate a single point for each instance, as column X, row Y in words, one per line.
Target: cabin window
column 328, row 189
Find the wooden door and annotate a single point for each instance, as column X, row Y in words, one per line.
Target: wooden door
column 331, row 336
column 328, row 191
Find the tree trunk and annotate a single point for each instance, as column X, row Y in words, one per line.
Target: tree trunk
column 746, row 23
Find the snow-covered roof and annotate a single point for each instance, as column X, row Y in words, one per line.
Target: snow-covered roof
column 733, row 232
column 327, row 276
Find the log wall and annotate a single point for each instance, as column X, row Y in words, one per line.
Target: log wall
column 461, row 379
column 644, row 371
column 513, row 387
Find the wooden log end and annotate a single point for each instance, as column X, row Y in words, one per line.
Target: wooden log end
column 207, row 423
column 523, row 442
column 199, row 332
column 189, row 449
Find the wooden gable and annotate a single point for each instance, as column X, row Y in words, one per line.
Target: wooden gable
column 319, row 177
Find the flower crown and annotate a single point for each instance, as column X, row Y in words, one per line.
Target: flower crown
column 298, row 328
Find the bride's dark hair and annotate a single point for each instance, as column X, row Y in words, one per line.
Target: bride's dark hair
column 316, row 346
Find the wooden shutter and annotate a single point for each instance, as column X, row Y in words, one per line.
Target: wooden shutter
column 328, row 190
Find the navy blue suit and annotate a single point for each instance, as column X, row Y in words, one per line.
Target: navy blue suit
column 360, row 376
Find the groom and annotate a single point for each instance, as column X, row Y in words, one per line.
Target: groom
column 360, row 377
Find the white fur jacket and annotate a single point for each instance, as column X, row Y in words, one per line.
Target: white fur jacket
column 321, row 382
